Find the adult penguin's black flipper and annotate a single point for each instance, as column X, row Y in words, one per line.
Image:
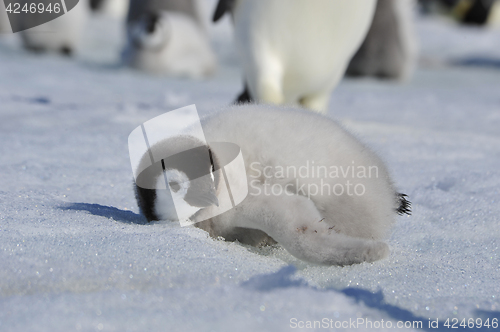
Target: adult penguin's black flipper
column 223, row 7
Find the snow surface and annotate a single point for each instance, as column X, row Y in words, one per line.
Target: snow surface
column 76, row 255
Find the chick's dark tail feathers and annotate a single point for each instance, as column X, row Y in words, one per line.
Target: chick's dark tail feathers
column 404, row 205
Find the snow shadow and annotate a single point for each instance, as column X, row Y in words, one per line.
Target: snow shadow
column 283, row 278
column 478, row 62
column 376, row 301
column 280, row 279
column 109, row 212
column 42, row 100
column 488, row 314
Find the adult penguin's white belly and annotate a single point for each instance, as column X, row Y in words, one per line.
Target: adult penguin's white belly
column 62, row 34
column 296, row 51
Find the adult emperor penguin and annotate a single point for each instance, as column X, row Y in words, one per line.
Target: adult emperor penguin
column 296, row 51
column 168, row 37
column 62, row 34
column 318, row 200
column 390, row 47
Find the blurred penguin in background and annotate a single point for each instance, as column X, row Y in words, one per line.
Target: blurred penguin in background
column 476, row 12
column 112, row 8
column 189, row 8
column 4, row 20
column 468, row 12
column 62, row 34
column 390, row 47
column 296, row 51
column 168, row 37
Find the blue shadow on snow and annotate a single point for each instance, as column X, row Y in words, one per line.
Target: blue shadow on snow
column 283, row 279
column 109, row 212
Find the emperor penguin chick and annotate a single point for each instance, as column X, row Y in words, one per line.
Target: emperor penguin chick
column 296, row 51
column 169, row 43
column 188, row 173
column 312, row 186
column 168, row 37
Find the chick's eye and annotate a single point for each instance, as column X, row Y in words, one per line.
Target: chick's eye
column 174, row 186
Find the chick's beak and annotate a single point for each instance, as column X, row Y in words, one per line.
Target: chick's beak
column 207, row 198
column 213, row 198
column 202, row 198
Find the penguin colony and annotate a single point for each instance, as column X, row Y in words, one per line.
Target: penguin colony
column 294, row 53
